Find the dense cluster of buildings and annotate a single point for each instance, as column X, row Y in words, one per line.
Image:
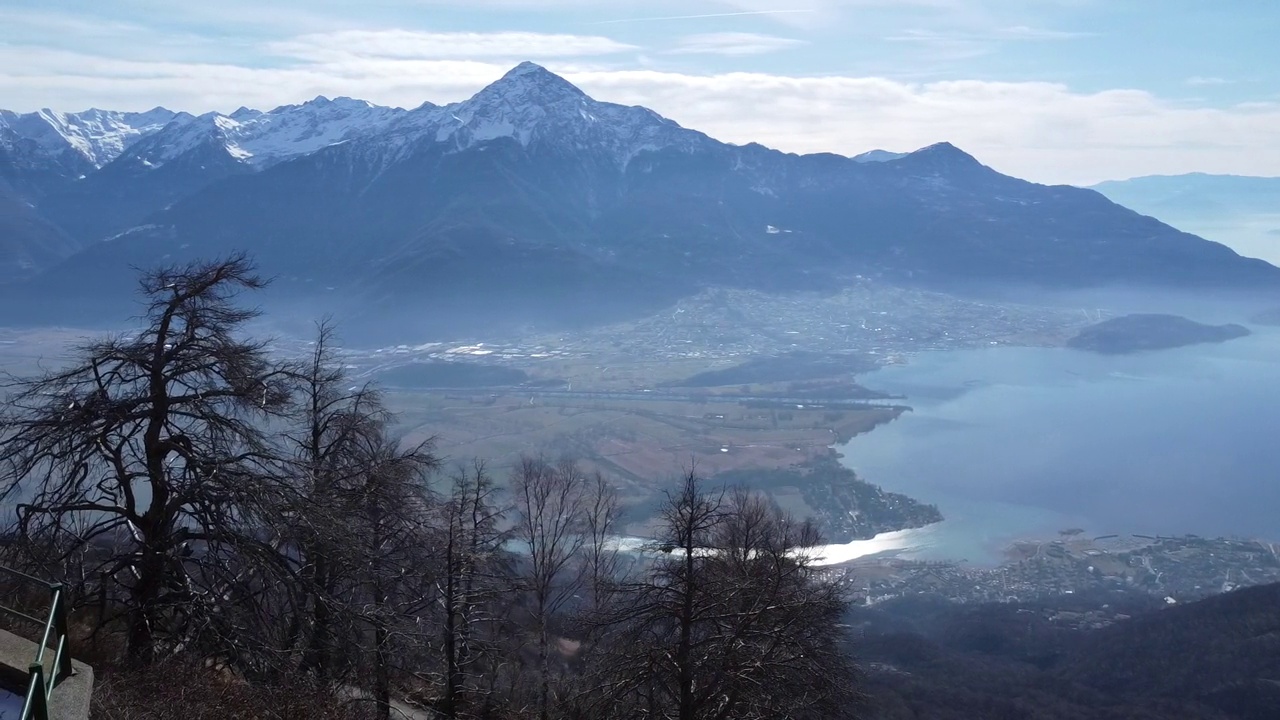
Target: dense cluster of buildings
column 1174, row 569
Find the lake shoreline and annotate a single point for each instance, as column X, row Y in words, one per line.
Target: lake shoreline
column 1016, row 444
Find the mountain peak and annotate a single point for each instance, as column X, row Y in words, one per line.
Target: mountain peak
column 944, row 149
column 527, row 99
column 940, row 157
column 530, row 103
column 527, row 68
column 534, row 82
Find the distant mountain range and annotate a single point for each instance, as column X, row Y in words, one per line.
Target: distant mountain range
column 529, row 203
column 1239, row 211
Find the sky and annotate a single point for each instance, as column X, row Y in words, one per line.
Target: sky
column 1056, row 91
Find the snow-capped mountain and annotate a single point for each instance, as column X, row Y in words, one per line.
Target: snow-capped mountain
column 154, row 164
column 532, row 202
column 28, row 241
column 263, row 138
column 530, row 104
column 17, row 152
column 158, row 136
column 97, row 136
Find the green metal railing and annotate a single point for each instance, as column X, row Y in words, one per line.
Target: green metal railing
column 36, row 705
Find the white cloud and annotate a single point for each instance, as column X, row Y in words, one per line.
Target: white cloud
column 945, row 46
column 65, row 80
column 1200, row 80
column 733, row 43
column 702, row 16
column 411, row 45
column 1022, row 32
column 1040, row 131
column 1012, row 33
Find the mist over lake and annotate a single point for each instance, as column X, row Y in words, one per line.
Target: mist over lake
column 1022, row 442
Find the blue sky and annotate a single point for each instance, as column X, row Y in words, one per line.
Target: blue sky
column 1052, row 90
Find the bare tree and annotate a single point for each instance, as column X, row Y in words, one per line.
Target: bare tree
column 780, row 651
column 550, row 503
column 359, row 529
column 604, row 575
column 600, row 556
column 150, row 449
column 470, row 584
column 731, row 621
column 334, row 430
column 691, row 519
column 389, row 524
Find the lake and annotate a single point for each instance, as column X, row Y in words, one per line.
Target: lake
column 1022, row 442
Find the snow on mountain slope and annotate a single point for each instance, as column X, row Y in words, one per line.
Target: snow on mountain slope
column 530, row 104
column 292, row 130
column 878, row 156
column 265, row 138
column 98, row 136
column 12, row 145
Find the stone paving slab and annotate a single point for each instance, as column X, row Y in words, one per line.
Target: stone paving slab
column 69, row 700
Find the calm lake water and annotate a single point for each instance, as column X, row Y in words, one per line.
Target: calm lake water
column 1023, row 442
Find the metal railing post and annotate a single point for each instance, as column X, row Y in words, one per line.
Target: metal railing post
column 63, row 658
column 55, row 622
column 37, row 697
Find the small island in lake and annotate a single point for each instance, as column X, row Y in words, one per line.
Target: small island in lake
column 1136, row 333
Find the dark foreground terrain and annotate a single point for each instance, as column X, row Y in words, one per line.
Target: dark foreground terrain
column 931, row 658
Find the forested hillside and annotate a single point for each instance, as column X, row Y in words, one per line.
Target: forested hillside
column 1218, row 658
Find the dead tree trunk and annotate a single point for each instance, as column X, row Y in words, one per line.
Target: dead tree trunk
column 150, row 450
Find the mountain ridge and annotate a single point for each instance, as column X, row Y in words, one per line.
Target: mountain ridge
column 1241, row 211
column 531, row 202
column 96, row 136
